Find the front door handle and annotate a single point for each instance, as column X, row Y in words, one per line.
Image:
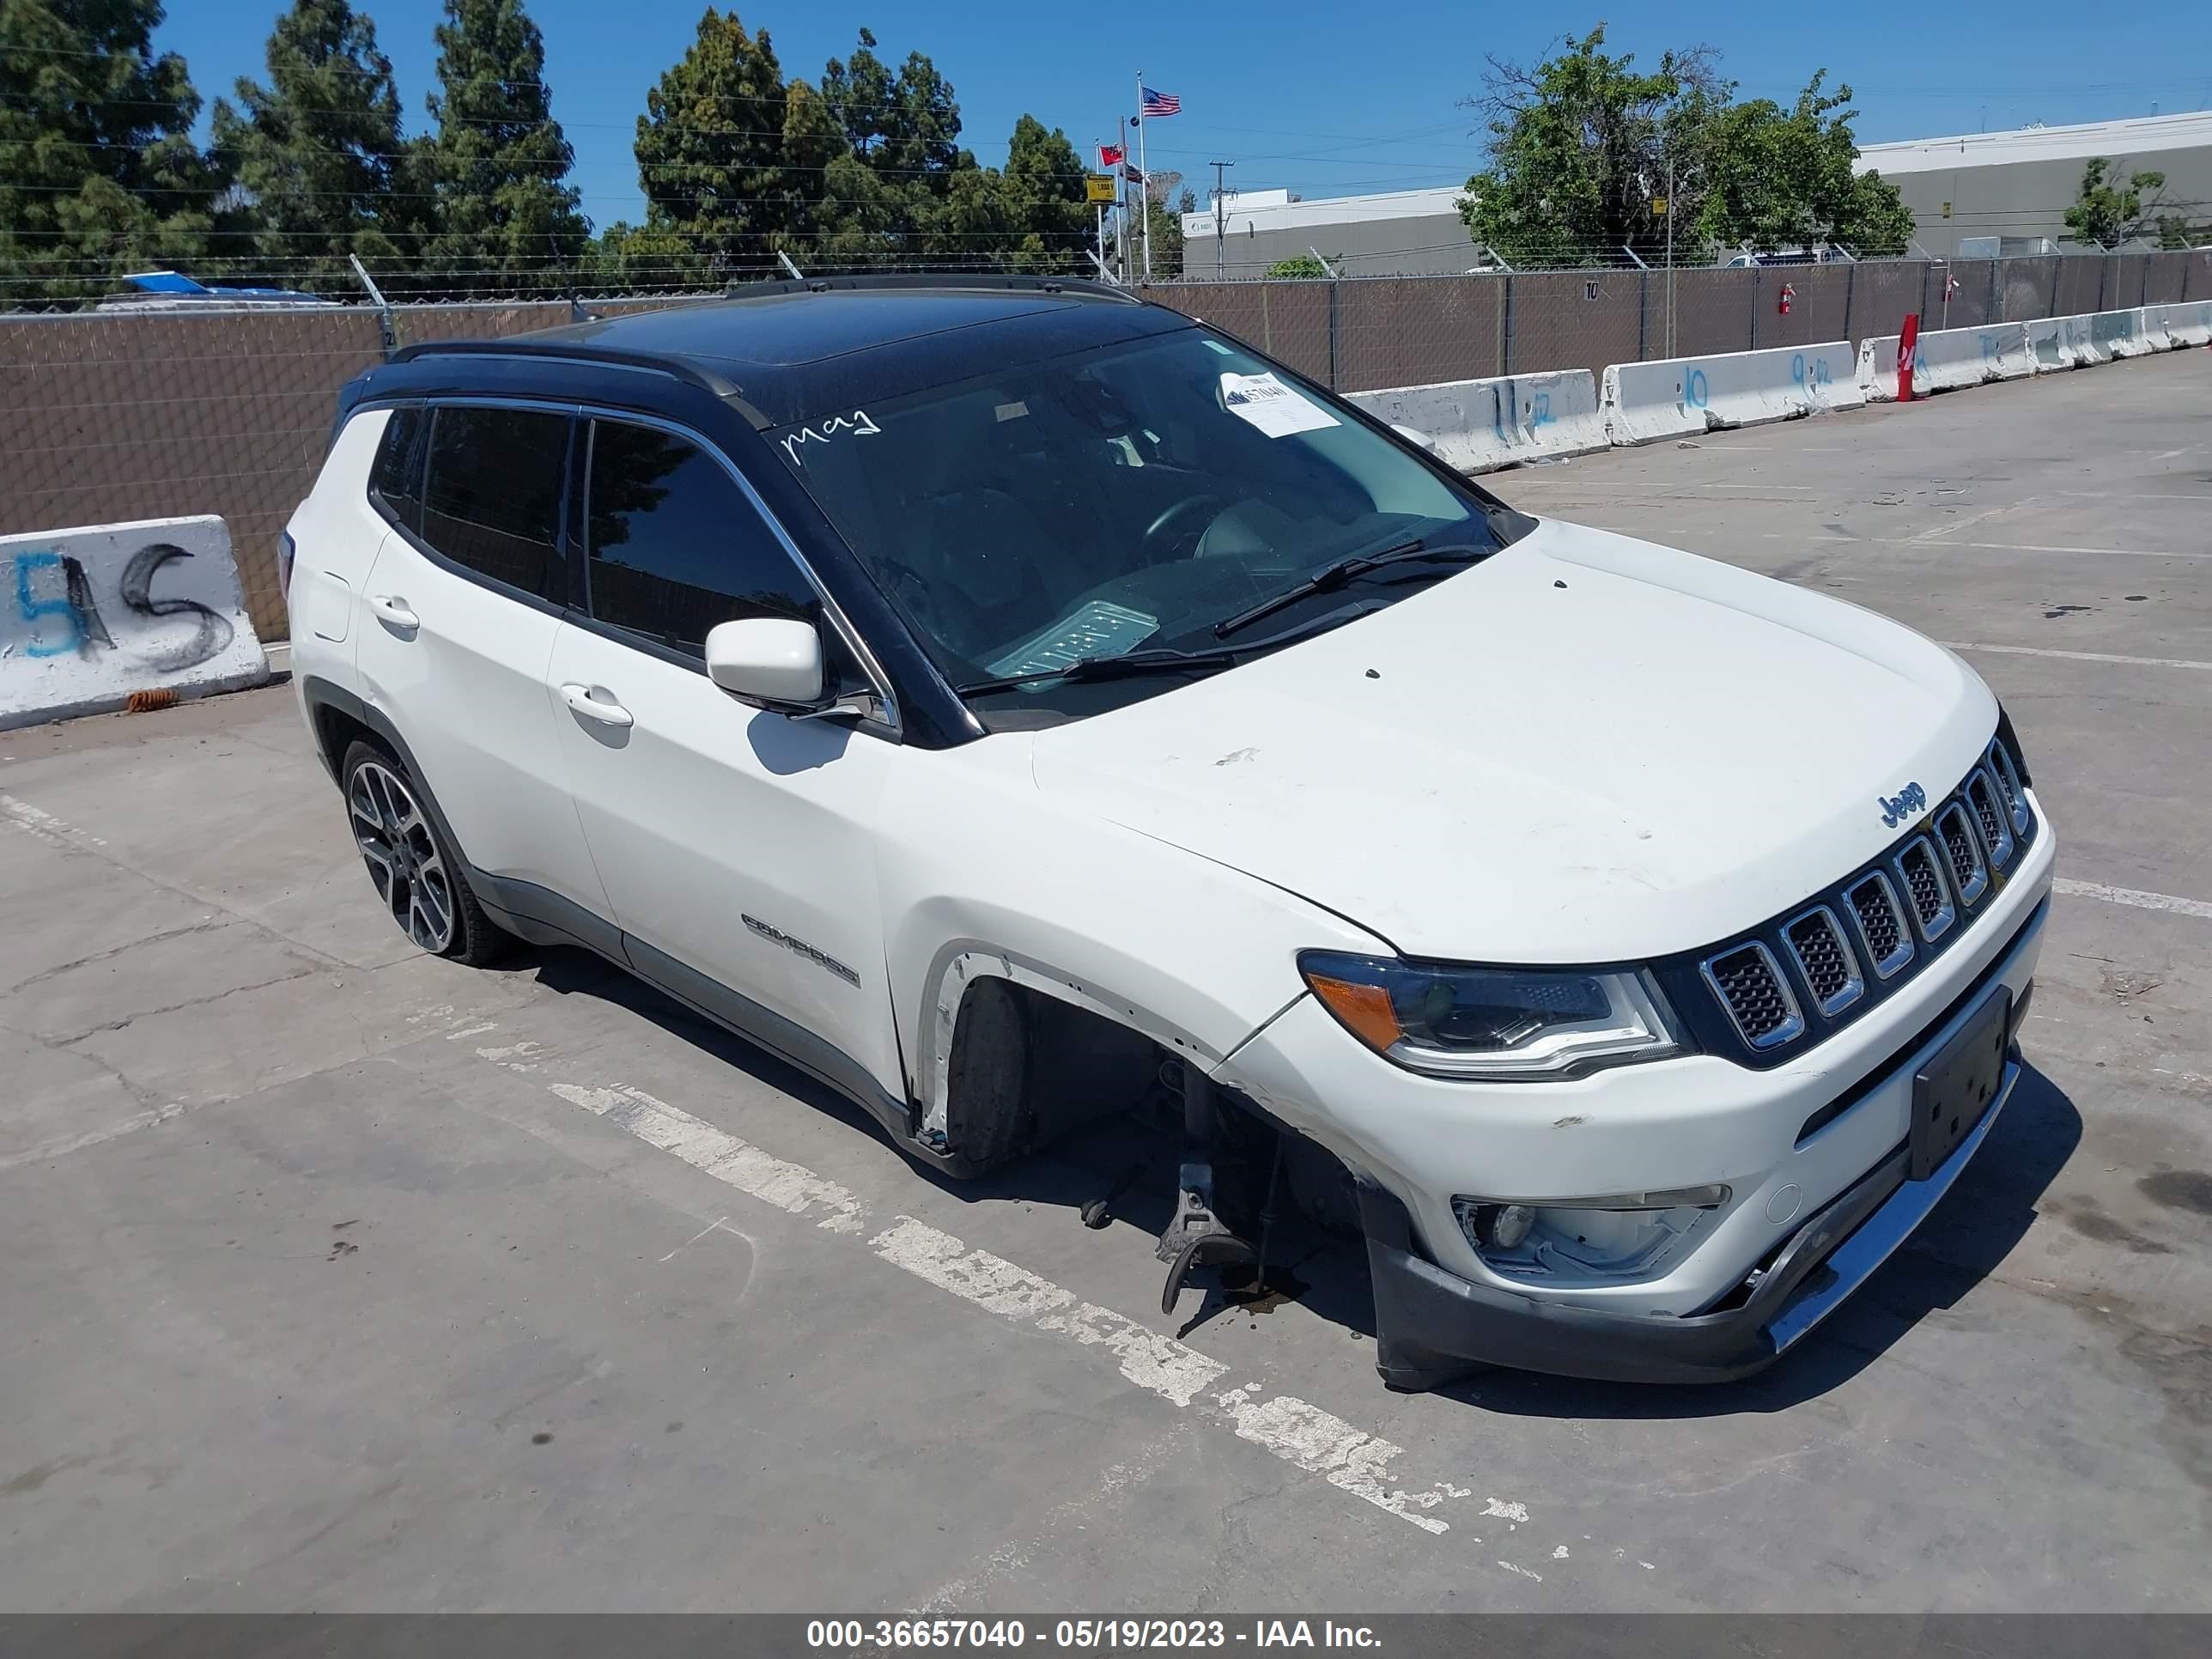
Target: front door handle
column 394, row 610
column 601, row 707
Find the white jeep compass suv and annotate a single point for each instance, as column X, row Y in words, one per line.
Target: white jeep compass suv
column 990, row 694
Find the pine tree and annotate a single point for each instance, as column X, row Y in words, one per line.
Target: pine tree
column 711, row 149
column 97, row 171
column 911, row 178
column 314, row 154
column 1045, row 198
column 502, row 215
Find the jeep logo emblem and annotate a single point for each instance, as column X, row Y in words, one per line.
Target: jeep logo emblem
column 1895, row 809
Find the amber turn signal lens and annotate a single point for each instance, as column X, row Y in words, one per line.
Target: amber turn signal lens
column 1364, row 1008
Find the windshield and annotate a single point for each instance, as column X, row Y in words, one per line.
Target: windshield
column 1127, row 497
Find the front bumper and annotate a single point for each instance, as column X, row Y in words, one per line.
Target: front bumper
column 1432, row 1327
column 1810, row 1150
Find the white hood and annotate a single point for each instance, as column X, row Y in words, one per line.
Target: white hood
column 1588, row 749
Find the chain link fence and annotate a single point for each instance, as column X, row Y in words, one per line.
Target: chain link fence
column 109, row 416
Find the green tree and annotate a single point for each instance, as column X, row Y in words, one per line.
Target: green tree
column 903, row 186
column 314, row 154
column 2108, row 213
column 1164, row 206
column 1776, row 179
column 1580, row 146
column 1299, row 266
column 1045, row 199
column 712, row 156
column 1585, row 146
column 97, row 171
column 502, row 215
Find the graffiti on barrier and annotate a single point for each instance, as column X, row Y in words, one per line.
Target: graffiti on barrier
column 54, row 598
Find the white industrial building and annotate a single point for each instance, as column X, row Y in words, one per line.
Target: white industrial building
column 2015, row 187
column 1998, row 193
column 1396, row 233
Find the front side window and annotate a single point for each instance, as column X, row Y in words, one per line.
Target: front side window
column 491, row 500
column 675, row 546
column 1135, row 496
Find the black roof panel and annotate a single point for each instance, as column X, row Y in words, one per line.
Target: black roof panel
column 790, row 351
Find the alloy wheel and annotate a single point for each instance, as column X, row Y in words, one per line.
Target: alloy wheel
column 402, row 856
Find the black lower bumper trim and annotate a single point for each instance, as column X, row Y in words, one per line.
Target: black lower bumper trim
column 1433, row 1327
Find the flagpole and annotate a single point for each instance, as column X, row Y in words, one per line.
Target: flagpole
column 1121, row 194
column 1144, row 177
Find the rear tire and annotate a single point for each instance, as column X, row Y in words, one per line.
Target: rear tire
column 414, row 869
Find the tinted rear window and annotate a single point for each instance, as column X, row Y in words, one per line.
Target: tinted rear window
column 397, row 476
column 492, row 498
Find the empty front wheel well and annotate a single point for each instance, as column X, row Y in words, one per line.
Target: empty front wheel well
column 1026, row 1067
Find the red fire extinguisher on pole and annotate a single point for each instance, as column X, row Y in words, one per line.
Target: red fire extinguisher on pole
column 1788, row 295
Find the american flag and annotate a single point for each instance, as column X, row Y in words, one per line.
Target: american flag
column 1157, row 104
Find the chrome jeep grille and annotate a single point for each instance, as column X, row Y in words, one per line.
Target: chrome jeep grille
column 1823, row 960
column 1970, row 877
column 1921, row 879
column 1883, row 932
column 1848, row 947
column 1993, row 815
column 1750, row 985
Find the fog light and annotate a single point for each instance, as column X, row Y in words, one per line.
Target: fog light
column 1495, row 1226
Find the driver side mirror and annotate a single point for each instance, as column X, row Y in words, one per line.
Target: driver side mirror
column 1414, row 435
column 772, row 661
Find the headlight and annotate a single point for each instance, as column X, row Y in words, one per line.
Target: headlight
column 1498, row 1024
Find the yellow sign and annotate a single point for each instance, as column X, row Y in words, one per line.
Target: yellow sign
column 1097, row 187
column 1659, row 206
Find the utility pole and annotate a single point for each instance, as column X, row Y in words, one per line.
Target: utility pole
column 1220, row 220
column 1670, row 255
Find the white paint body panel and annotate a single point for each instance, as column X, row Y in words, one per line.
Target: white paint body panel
column 467, row 688
column 706, row 811
column 1657, row 753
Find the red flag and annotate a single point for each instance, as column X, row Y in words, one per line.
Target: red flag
column 1109, row 156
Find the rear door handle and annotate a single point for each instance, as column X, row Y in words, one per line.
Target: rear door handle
column 393, row 609
column 602, row 709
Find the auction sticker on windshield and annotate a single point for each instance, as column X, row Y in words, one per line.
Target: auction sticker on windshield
column 1099, row 630
column 1275, row 408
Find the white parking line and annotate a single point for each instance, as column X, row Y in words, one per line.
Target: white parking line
column 1986, row 547
column 1316, row 1441
column 2075, row 656
column 1945, row 529
column 2131, row 895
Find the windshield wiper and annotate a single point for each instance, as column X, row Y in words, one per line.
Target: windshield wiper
column 1108, row 668
column 1342, row 571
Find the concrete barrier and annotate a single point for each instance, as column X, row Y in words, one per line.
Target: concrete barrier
column 1946, row 360
column 1646, row 402
column 2171, row 328
column 1480, row 425
column 90, row 616
column 2051, row 346
column 1877, row 368
column 2101, row 337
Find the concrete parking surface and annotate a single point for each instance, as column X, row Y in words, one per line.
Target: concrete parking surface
column 335, row 1277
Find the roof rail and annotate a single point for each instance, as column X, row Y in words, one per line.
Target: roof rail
column 673, row 365
column 1080, row 286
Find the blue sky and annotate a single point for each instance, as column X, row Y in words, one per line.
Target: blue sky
column 1323, row 98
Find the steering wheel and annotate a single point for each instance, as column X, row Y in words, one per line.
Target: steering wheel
column 1159, row 545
